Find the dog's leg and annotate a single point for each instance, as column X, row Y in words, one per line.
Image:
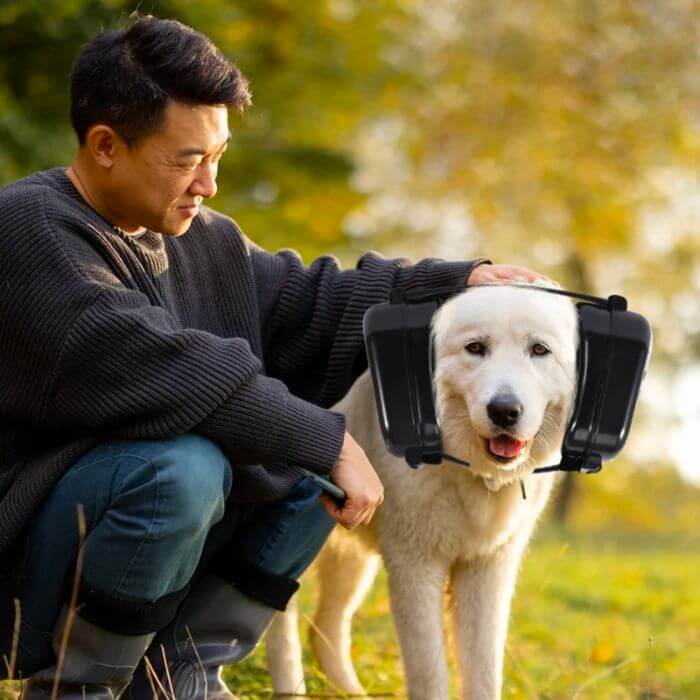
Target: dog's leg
column 481, row 592
column 346, row 571
column 416, row 589
column 283, row 651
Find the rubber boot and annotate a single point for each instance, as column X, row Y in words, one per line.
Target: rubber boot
column 216, row 625
column 97, row 664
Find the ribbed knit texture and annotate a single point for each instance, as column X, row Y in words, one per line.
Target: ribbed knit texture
column 105, row 336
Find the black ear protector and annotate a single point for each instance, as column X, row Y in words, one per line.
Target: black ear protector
column 613, row 354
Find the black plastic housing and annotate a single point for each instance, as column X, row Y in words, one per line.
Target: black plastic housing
column 397, row 338
column 614, row 349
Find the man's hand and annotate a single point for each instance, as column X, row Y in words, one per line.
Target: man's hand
column 494, row 274
column 356, row 476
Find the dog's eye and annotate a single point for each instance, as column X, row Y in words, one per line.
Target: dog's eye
column 539, row 349
column 475, row 348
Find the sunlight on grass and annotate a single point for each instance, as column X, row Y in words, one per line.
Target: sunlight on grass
column 605, row 609
column 595, row 616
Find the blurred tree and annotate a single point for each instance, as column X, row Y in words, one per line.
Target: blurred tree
column 546, row 119
column 316, row 71
column 563, row 136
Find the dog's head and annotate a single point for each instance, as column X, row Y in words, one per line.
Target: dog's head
column 505, row 378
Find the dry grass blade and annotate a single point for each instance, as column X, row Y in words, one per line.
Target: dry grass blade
column 167, row 672
column 153, row 678
column 299, row 685
column 150, row 675
column 73, row 600
column 199, row 661
column 602, row 674
column 15, row 642
column 328, row 643
column 320, row 633
column 530, row 687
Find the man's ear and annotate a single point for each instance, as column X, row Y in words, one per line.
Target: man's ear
column 102, row 142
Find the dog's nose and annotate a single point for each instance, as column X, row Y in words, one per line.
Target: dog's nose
column 504, row 410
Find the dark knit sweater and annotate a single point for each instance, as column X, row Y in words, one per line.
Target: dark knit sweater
column 106, row 336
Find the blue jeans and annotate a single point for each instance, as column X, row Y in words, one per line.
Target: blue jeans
column 157, row 517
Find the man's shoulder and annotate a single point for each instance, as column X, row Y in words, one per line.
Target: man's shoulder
column 28, row 197
column 39, row 184
column 38, row 219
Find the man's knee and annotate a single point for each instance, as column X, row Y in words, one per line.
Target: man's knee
column 286, row 535
column 194, row 478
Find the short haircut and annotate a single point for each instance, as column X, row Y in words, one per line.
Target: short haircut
column 125, row 77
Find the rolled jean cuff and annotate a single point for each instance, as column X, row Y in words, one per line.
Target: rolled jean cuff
column 273, row 590
column 127, row 617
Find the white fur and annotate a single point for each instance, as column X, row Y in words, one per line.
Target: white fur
column 449, row 526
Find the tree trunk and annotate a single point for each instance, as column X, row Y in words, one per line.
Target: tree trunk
column 566, row 494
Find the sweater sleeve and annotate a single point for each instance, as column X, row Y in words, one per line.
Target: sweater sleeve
column 311, row 316
column 126, row 370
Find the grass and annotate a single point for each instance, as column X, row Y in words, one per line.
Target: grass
column 608, row 609
column 596, row 615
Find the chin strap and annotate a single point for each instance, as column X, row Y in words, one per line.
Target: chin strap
column 450, row 458
column 583, row 465
column 563, row 467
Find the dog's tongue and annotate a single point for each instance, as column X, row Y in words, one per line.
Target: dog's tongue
column 505, row 446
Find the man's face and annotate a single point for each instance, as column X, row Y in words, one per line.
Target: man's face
column 160, row 182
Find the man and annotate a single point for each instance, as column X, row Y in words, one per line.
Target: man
column 159, row 388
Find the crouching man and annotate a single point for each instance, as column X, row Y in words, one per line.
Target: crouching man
column 163, row 376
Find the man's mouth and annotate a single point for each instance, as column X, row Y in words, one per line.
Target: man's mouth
column 190, row 209
column 504, row 448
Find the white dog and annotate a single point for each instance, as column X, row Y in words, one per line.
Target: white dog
column 505, row 381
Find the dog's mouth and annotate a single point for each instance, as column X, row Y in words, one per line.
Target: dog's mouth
column 504, row 448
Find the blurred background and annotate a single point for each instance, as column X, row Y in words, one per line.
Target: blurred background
column 563, row 136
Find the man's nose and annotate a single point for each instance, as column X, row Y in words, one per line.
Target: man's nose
column 205, row 183
column 504, row 410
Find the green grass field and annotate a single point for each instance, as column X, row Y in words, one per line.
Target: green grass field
column 594, row 616
column 609, row 608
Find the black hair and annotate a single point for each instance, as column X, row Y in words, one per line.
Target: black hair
column 125, row 77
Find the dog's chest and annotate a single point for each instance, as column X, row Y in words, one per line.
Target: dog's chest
column 452, row 515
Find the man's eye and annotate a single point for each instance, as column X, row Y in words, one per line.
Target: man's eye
column 539, row 349
column 475, row 348
column 189, row 167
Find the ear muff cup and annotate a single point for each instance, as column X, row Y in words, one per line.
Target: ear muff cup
column 401, row 362
column 613, row 354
